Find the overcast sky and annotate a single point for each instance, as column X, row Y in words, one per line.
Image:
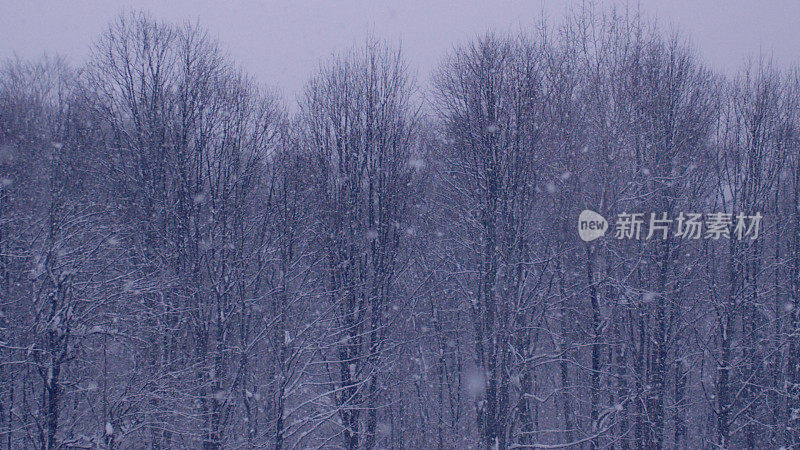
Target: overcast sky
column 282, row 42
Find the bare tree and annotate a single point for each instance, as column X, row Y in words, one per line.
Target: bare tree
column 490, row 97
column 359, row 124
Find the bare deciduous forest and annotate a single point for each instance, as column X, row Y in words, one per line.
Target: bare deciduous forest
column 187, row 262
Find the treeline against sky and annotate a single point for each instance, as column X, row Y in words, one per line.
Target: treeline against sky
column 185, row 262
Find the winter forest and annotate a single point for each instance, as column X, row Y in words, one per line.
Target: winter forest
column 189, row 260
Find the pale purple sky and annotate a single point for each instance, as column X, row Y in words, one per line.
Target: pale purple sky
column 281, row 42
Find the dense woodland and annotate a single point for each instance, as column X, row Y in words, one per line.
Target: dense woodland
column 188, row 262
